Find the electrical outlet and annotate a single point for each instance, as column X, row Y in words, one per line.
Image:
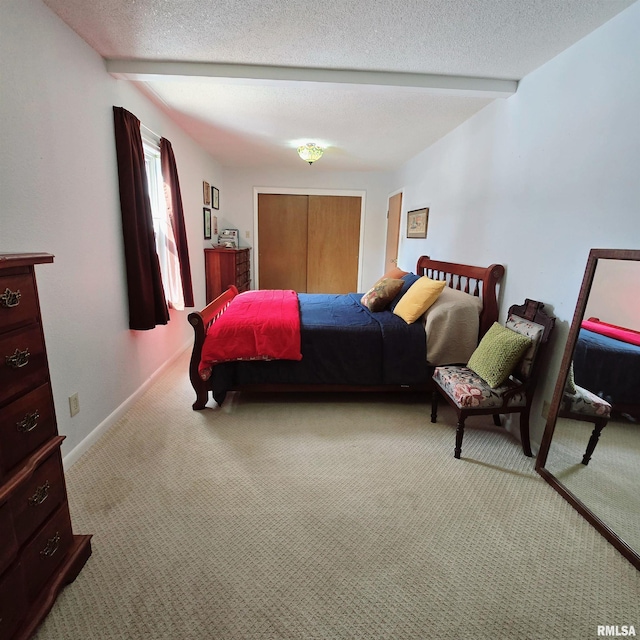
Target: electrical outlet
column 247, row 234
column 74, row 405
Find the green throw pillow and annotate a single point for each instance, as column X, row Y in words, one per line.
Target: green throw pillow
column 570, row 384
column 497, row 354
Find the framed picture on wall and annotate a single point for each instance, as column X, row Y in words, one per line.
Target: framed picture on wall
column 207, row 223
column 206, row 193
column 417, row 221
column 215, row 198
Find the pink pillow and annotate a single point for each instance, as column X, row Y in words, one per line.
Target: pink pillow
column 612, row 331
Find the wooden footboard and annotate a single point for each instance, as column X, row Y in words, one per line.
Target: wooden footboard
column 200, row 321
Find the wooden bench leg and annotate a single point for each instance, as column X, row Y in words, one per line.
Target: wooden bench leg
column 593, row 441
column 434, row 406
column 459, row 435
column 524, row 433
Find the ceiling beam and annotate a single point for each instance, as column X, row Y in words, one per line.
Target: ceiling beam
column 149, row 70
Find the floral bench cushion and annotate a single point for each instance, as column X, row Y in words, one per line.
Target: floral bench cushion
column 532, row 330
column 468, row 390
column 585, row 403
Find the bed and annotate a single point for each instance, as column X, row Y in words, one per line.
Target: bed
column 346, row 347
column 607, row 362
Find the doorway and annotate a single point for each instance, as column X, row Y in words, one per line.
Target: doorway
column 393, row 232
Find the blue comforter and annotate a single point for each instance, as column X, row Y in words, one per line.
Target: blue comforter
column 342, row 342
column 608, row 367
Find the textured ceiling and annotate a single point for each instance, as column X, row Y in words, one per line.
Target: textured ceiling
column 257, row 120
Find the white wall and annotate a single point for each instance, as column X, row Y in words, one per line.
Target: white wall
column 238, row 211
column 615, row 294
column 59, row 190
column 535, row 181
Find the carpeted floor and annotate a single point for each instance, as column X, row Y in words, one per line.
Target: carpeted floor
column 610, row 484
column 326, row 517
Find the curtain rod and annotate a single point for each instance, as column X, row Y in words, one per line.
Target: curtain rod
column 153, row 133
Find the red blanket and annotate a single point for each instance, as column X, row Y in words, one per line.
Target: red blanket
column 257, row 325
column 612, row 331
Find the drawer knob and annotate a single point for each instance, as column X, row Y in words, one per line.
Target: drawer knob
column 10, row 298
column 29, row 422
column 52, row 546
column 19, row 359
column 40, row 495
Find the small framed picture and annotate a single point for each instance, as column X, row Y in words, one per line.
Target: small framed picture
column 417, row 221
column 206, row 193
column 215, row 225
column 215, row 198
column 207, row 223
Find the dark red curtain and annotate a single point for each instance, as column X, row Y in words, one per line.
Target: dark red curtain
column 147, row 303
column 176, row 216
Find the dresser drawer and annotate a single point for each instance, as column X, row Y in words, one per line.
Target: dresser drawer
column 23, row 363
column 9, row 544
column 47, row 549
column 243, row 285
column 241, row 269
column 37, row 496
column 13, row 600
column 18, row 301
column 24, row 425
column 242, row 258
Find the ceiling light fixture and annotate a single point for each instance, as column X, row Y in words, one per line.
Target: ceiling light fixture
column 310, row 152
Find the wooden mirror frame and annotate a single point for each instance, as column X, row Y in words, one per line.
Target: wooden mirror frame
column 594, row 255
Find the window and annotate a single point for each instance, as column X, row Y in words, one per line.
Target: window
column 165, row 241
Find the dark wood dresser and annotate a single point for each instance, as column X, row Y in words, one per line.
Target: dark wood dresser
column 39, row 554
column 224, row 267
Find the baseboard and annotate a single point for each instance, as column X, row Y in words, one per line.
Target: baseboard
column 97, row 433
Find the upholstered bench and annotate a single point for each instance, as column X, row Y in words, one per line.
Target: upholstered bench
column 579, row 403
column 500, row 377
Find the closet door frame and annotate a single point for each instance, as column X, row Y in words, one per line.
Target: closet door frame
column 306, row 192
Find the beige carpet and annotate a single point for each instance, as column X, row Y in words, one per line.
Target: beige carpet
column 610, row 484
column 316, row 517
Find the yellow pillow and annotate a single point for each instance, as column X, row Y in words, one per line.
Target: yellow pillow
column 419, row 297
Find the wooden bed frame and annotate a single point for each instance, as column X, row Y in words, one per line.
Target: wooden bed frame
column 477, row 281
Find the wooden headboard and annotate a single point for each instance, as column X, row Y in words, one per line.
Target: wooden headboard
column 477, row 281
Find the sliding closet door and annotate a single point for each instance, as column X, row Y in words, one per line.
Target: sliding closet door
column 282, row 241
column 308, row 243
column 333, row 244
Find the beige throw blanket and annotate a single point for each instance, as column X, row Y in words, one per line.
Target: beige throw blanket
column 452, row 325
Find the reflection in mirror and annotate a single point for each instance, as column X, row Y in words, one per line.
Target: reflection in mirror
column 591, row 447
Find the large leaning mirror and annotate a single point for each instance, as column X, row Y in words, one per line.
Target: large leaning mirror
column 590, row 452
